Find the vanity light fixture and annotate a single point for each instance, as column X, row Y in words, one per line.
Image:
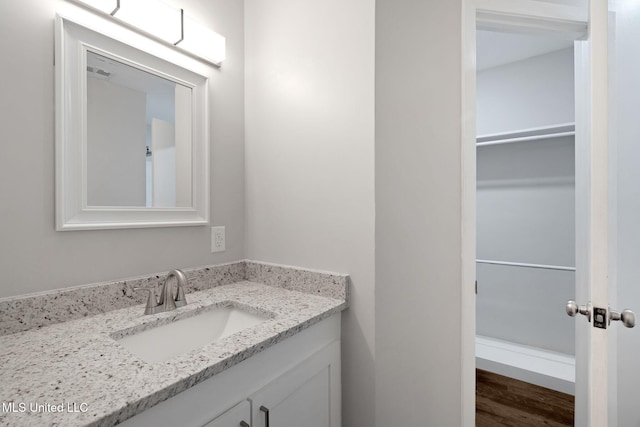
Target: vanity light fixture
column 106, row 6
column 167, row 23
column 202, row 41
column 153, row 17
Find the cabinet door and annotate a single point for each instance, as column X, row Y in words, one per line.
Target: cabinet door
column 238, row 416
column 304, row 396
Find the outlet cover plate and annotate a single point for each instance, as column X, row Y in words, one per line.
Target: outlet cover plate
column 218, row 239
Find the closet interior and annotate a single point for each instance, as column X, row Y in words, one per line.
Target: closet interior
column 525, row 208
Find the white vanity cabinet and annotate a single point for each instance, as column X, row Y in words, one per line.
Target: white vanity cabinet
column 302, row 396
column 296, row 383
column 238, row 416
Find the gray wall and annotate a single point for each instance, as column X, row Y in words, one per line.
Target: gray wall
column 525, row 211
column 116, row 160
column 418, row 213
column 33, row 256
column 533, row 92
column 525, row 204
column 310, row 158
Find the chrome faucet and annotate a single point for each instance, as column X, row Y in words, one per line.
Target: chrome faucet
column 167, row 302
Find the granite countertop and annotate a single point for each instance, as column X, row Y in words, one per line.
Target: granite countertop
column 77, row 366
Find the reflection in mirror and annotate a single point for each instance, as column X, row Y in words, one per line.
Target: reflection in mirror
column 138, row 137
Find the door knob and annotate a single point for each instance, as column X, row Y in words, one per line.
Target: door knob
column 573, row 308
column 627, row 317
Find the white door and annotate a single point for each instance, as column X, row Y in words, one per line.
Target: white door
column 592, row 223
column 605, row 365
column 624, row 373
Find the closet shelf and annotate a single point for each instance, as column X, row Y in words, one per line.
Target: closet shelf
column 527, row 265
column 532, row 134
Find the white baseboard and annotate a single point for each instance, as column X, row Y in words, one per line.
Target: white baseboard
column 536, row 366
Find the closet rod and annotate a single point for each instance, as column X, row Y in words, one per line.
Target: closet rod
column 525, row 138
column 522, row 264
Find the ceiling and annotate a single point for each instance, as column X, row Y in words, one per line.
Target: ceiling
column 160, row 92
column 494, row 48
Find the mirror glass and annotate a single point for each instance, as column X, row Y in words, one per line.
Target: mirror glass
column 132, row 134
column 138, row 137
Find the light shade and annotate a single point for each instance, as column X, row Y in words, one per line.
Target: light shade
column 106, row 6
column 153, row 17
column 166, row 23
column 202, row 41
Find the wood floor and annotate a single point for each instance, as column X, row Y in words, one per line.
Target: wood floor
column 502, row 401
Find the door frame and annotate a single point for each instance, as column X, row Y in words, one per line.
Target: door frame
column 533, row 17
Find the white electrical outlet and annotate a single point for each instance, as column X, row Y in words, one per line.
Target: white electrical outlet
column 217, row 239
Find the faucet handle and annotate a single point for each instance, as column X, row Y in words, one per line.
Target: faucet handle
column 152, row 301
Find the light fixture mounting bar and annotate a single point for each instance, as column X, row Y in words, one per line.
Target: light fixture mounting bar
column 117, row 8
column 181, row 27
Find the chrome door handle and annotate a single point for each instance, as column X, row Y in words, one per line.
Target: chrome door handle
column 627, row 317
column 573, row 308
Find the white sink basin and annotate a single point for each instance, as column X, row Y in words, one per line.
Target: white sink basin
column 181, row 336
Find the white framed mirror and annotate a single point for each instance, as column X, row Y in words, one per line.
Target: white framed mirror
column 132, row 139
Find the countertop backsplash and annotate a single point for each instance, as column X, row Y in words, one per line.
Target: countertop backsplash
column 25, row 312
